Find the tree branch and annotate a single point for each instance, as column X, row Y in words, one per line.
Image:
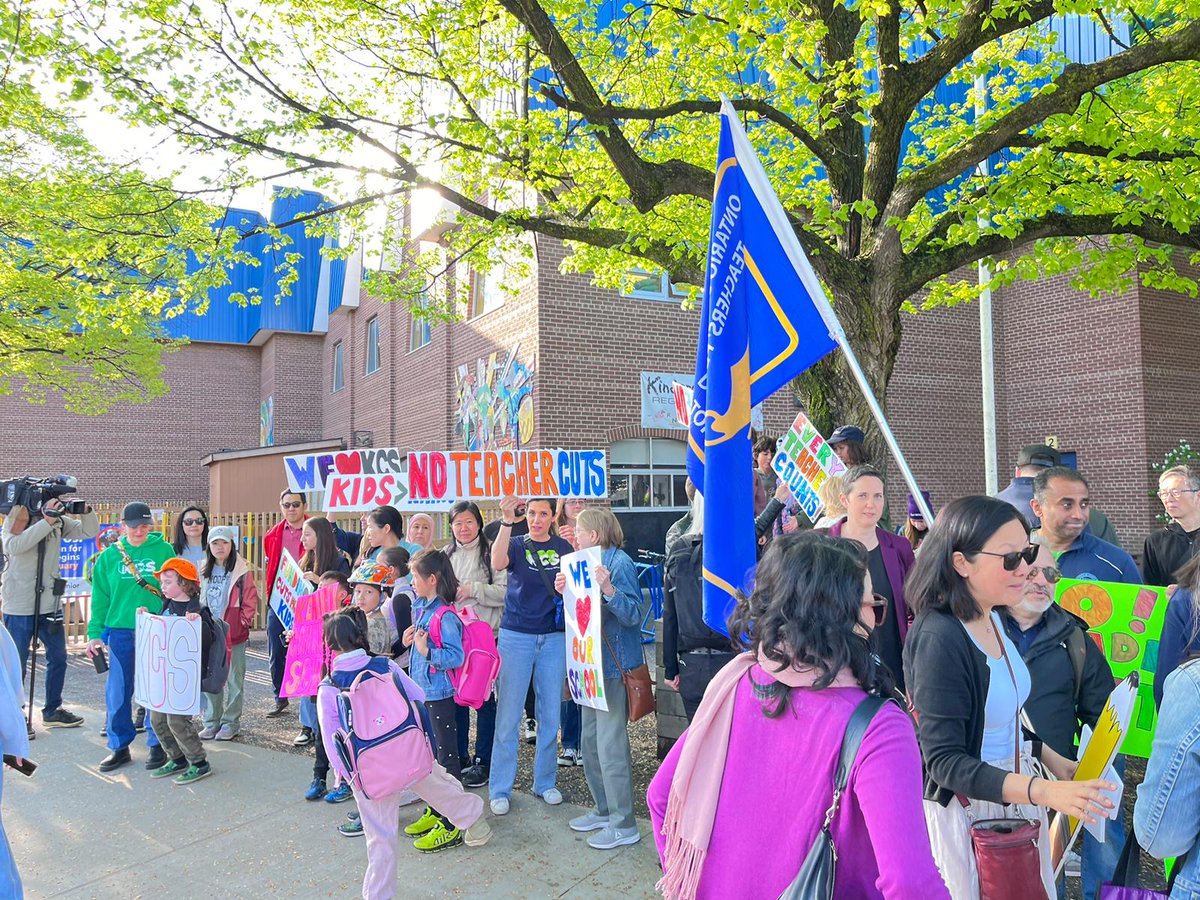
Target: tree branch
column 1080, row 148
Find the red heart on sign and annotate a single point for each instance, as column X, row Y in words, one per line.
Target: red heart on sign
column 583, row 613
column 347, row 463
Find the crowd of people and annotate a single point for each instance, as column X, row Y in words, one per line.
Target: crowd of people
column 922, row 672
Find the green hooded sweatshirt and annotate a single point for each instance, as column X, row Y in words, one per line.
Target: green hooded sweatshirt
column 116, row 595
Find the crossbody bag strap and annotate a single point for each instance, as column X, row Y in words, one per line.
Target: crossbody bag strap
column 616, row 659
column 1017, row 697
column 133, row 570
column 856, row 730
column 537, row 562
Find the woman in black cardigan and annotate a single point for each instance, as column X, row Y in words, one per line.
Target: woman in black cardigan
column 966, row 682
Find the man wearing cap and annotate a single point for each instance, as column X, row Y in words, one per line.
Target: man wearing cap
column 1032, row 460
column 123, row 580
column 848, row 442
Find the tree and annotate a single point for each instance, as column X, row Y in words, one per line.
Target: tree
column 93, row 255
column 595, row 123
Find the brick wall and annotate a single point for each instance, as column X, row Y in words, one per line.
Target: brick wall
column 291, row 373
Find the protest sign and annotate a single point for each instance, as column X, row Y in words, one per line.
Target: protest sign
column 289, row 584
column 72, row 556
column 166, row 669
column 581, row 612
column 310, row 472
column 438, row 479
column 1125, row 621
column 357, row 493
column 306, row 650
column 803, row 461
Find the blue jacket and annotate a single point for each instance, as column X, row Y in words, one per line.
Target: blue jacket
column 621, row 615
column 1176, row 642
column 431, row 673
column 1095, row 560
column 1164, row 817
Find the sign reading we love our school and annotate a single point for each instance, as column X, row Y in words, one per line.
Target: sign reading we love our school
column 581, row 614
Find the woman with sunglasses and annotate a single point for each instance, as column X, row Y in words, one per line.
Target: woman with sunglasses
column 967, row 684
column 889, row 558
column 190, row 537
column 806, row 665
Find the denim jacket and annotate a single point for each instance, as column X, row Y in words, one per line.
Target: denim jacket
column 431, row 672
column 621, row 614
column 1165, row 816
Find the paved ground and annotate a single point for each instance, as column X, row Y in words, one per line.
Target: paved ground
column 246, row 831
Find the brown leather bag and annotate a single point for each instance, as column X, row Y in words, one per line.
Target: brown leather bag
column 639, row 692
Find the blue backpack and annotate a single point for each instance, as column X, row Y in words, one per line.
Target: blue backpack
column 381, row 737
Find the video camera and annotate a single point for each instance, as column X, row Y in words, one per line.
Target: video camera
column 34, row 493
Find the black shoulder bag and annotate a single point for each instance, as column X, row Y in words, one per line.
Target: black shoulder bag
column 559, row 623
column 815, row 880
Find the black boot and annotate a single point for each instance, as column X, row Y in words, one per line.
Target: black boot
column 476, row 776
column 116, row 759
column 157, row 758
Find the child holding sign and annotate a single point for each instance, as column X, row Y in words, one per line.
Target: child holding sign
column 186, row 759
column 606, row 759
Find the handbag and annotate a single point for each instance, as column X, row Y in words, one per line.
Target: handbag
column 815, row 880
column 560, row 623
column 1126, row 882
column 639, row 693
column 1006, row 850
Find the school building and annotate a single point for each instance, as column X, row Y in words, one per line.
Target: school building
column 562, row 363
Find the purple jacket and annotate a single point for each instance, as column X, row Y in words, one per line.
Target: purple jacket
column 327, row 694
column 785, row 766
column 898, row 558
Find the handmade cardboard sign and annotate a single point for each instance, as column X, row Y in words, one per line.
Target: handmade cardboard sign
column 438, row 479
column 310, row 472
column 803, row 461
column 166, row 669
column 289, row 584
column 581, row 612
column 306, row 650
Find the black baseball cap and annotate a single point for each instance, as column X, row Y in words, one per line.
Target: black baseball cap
column 137, row 514
column 847, row 433
column 1039, row 455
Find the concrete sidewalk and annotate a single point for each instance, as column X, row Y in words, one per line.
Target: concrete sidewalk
column 247, row 832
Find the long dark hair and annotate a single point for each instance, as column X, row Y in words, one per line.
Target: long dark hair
column 806, row 610
column 963, row 526
column 485, row 547
column 436, row 563
column 179, row 539
column 346, row 630
column 210, row 561
column 326, row 556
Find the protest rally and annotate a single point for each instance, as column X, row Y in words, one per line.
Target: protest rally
column 593, row 450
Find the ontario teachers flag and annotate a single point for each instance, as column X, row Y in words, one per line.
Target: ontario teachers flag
column 765, row 320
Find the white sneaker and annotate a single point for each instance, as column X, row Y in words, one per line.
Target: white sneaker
column 207, row 733
column 591, row 821
column 570, row 758
column 611, row 838
column 478, row 834
column 226, row 733
column 553, row 797
column 499, row 806
column 530, row 731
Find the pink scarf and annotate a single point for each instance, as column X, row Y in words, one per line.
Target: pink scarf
column 696, row 784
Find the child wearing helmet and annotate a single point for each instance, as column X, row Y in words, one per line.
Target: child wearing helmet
column 369, row 582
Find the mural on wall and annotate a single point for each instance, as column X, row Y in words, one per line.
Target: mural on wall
column 266, row 423
column 495, row 402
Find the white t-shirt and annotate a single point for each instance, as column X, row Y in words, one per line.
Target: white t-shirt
column 1000, row 709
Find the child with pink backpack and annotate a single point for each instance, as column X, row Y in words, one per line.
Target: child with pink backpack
column 376, row 733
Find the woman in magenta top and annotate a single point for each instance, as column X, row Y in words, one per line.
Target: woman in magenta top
column 756, row 768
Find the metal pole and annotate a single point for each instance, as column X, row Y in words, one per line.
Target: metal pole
column 986, row 347
column 881, row 419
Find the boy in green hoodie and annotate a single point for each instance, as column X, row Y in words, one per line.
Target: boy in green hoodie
column 123, row 580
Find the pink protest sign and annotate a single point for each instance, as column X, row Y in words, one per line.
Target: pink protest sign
column 306, row 650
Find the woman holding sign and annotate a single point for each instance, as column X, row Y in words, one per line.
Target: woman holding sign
column 967, row 684
column 607, row 763
column 531, row 646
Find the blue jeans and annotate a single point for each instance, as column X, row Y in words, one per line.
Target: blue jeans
column 571, row 725
column 1098, row 861
column 485, row 731
column 541, row 658
column 54, row 642
column 118, row 689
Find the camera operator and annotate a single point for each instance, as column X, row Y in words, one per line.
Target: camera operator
column 21, row 539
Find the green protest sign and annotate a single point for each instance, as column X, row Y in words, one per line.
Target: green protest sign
column 1125, row 621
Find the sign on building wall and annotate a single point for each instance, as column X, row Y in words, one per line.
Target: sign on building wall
column 659, row 405
column 495, row 402
column 266, row 423
column 438, row 479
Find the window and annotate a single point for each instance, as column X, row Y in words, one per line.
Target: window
column 339, row 371
column 486, row 293
column 649, row 473
column 373, row 345
column 421, row 328
column 648, row 285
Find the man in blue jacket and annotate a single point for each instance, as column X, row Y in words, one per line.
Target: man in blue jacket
column 1061, row 502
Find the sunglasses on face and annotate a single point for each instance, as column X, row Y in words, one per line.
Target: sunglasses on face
column 1014, row 558
column 193, row 521
column 1051, row 574
column 878, row 607
column 291, row 504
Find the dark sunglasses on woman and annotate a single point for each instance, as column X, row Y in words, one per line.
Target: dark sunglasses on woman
column 193, row 521
column 1014, row 558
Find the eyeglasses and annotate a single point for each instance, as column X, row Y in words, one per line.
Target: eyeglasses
column 193, row 521
column 1175, row 494
column 290, row 504
column 1014, row 558
column 878, row 607
column 1051, row 574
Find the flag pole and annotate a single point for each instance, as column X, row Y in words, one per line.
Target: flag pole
column 893, row 445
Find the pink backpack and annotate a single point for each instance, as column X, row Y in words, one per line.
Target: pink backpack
column 381, row 736
column 474, row 680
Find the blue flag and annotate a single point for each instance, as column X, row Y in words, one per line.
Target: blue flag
column 765, row 320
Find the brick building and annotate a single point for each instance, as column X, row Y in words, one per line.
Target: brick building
column 562, row 364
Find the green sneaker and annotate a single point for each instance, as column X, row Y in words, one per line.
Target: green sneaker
column 195, row 773
column 172, row 767
column 442, row 837
column 423, row 825
column 351, row 828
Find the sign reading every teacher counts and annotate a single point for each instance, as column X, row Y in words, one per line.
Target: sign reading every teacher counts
column 803, row 461
column 438, row 479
